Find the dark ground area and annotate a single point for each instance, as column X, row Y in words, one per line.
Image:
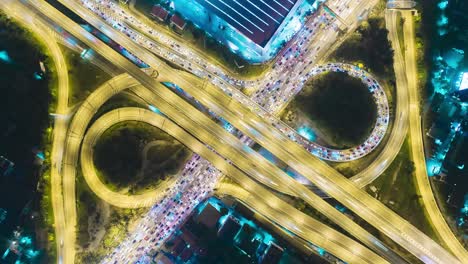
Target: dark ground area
column 24, row 118
column 341, row 105
column 118, row 155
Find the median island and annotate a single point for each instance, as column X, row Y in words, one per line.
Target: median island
column 338, row 107
column 135, row 157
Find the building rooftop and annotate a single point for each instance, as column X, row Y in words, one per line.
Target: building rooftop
column 258, row 20
column 178, row 22
column 178, row 247
column 246, row 240
column 161, row 258
column 209, row 216
column 159, row 12
column 272, row 255
column 229, row 229
column 186, row 254
column 189, row 237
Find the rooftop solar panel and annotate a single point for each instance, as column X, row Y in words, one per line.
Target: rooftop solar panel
column 256, row 19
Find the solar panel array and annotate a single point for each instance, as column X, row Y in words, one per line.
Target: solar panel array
column 256, row 19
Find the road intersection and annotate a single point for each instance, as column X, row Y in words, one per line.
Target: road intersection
column 269, row 134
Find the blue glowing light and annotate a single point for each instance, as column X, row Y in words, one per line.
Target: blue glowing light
column 260, row 234
column 464, row 210
column 5, row 254
column 223, row 219
column 215, row 205
column 442, row 21
column 41, row 155
column 26, row 240
column 433, row 167
column 340, row 208
column 442, row 5
column 321, row 251
column 32, row 253
column 307, row 133
column 462, row 81
column 4, row 56
column 83, row 53
column 154, row 109
column 441, row 31
column 37, row 76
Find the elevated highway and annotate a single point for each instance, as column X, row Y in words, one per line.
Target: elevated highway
column 269, row 205
column 320, row 174
column 361, row 179
column 118, row 84
column 301, row 168
column 123, row 34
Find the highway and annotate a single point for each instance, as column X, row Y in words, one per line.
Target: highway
column 170, row 207
column 302, row 225
column 379, row 165
column 320, row 174
column 417, row 146
column 150, row 83
column 427, row 248
column 114, row 15
column 77, row 128
column 88, row 108
column 381, row 122
column 60, row 129
column 118, row 84
column 223, row 108
column 363, row 178
column 399, row 144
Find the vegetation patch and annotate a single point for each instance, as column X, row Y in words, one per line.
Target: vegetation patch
column 396, row 188
column 341, row 106
column 116, row 230
column 136, row 155
column 369, row 45
column 84, row 77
